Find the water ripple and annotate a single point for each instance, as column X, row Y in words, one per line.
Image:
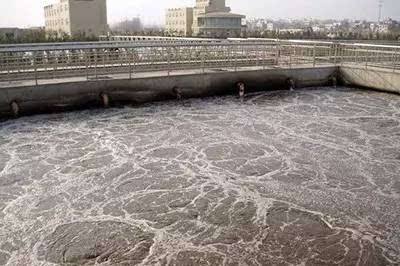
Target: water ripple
column 283, row 178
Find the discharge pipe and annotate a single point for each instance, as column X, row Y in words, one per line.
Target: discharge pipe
column 105, row 100
column 177, row 92
column 15, row 109
column 242, row 89
column 291, row 83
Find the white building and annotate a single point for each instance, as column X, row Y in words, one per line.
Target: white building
column 179, row 21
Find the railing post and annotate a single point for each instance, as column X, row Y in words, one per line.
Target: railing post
column 134, row 59
column 35, row 69
column 264, row 56
column 227, row 50
column 169, row 61
column 130, row 59
column 243, row 55
column 44, row 67
column 86, row 65
column 104, row 68
column 54, row 66
column 8, row 68
column 95, row 64
column 314, row 54
column 342, row 54
column 277, row 53
column 335, row 54
column 355, row 55
column 202, row 59
column 395, row 59
column 236, row 57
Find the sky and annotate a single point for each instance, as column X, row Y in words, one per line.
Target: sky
column 27, row 13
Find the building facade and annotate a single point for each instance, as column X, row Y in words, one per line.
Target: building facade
column 179, row 21
column 210, row 18
column 77, row 18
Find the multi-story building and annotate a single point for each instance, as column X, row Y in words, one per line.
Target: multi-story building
column 77, row 18
column 210, row 18
column 179, row 21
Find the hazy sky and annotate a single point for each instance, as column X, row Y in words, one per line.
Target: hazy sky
column 23, row 13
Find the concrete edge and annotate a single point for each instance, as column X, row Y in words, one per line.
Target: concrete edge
column 72, row 95
column 371, row 77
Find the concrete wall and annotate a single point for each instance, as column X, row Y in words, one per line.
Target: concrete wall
column 65, row 96
column 43, row 98
column 375, row 78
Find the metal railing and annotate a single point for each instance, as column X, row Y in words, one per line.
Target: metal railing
column 102, row 59
column 368, row 55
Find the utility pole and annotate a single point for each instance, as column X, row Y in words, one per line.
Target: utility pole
column 380, row 3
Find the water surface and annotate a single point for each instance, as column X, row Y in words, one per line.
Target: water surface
column 309, row 177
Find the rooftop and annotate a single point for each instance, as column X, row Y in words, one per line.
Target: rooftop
column 221, row 14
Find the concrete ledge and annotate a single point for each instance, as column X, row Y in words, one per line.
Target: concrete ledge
column 372, row 77
column 50, row 97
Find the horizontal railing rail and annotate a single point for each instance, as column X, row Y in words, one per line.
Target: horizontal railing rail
column 99, row 60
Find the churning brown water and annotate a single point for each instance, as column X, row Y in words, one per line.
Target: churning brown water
column 310, row 177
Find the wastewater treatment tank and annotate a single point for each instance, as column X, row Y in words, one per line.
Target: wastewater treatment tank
column 304, row 177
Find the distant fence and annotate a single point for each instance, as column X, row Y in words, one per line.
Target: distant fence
column 98, row 60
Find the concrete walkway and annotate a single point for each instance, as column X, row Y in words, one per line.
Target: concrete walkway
column 149, row 74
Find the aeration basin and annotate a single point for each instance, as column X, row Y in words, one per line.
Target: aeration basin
column 289, row 160
column 308, row 176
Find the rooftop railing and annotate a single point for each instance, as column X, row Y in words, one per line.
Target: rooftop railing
column 100, row 60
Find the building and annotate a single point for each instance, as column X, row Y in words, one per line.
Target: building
column 383, row 28
column 179, row 21
column 270, row 26
column 209, row 18
column 128, row 26
column 77, row 18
